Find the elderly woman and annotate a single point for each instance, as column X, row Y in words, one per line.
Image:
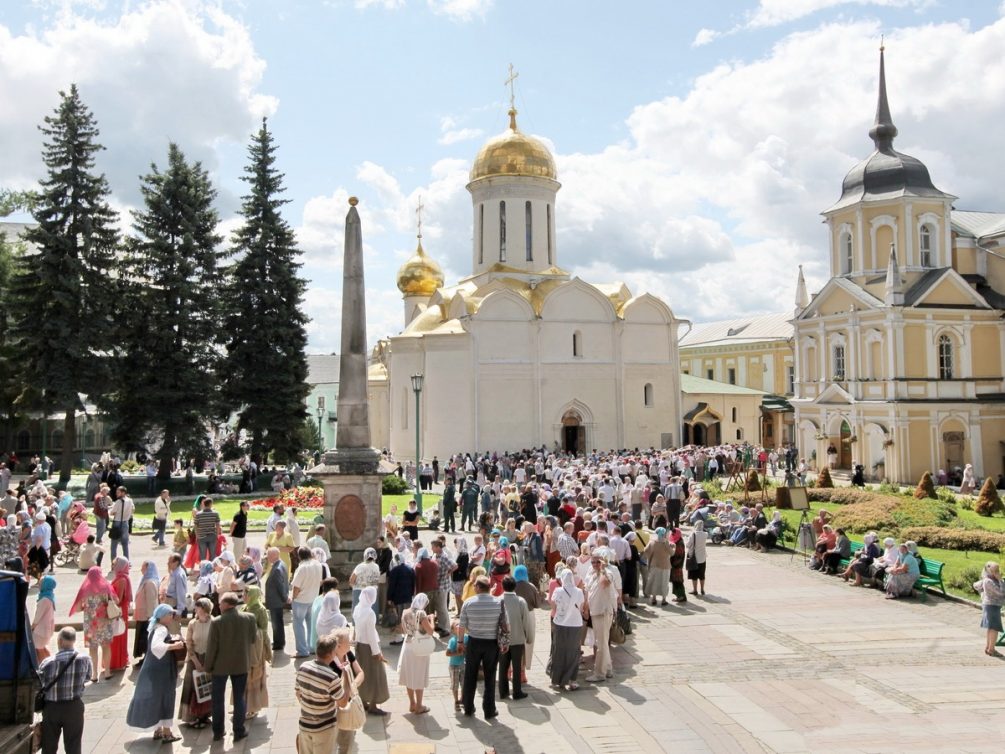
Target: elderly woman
column 658, row 553
column 697, row 557
column 152, row 705
column 123, row 589
column 677, row 566
column 365, row 574
column 567, row 605
column 903, row 575
column 658, row 513
column 257, row 688
column 93, row 599
column 190, row 710
column 842, row 549
column 768, row 537
column 43, row 625
column 413, row 669
column 859, row 567
column 346, row 665
column 146, row 599
column 886, row 561
column 373, row 690
column 992, row 592
column 825, row 542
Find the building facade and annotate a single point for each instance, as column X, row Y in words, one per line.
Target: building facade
column 900, row 357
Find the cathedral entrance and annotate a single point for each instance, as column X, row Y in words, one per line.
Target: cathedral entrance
column 573, row 433
column 844, row 447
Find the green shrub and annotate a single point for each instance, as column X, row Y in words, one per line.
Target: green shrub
column 964, row 580
column 129, row 466
column 392, row 484
column 843, row 495
column 947, row 538
column 876, row 513
column 913, row 512
column 753, row 482
column 926, row 487
column 824, row 479
column 988, row 502
column 889, row 489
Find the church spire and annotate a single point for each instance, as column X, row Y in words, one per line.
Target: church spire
column 894, row 283
column 883, row 131
column 802, row 297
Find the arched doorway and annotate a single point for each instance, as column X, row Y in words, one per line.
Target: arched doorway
column 844, row 446
column 573, row 433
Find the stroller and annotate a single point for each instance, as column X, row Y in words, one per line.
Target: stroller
column 69, row 553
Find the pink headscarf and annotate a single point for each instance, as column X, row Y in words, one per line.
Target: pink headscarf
column 120, row 570
column 675, row 536
column 94, row 584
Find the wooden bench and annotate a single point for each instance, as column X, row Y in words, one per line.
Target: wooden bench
column 931, row 575
column 856, row 547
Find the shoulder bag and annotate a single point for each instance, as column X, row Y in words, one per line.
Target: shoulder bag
column 115, row 530
column 422, row 644
column 502, row 629
column 353, row 715
column 40, row 694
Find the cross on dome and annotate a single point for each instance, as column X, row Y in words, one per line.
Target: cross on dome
column 418, row 216
column 510, row 82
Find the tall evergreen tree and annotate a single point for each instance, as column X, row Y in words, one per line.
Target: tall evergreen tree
column 266, row 367
column 168, row 368
column 59, row 299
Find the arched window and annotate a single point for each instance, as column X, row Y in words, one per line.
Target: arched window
column 945, row 357
column 528, row 232
column 548, row 218
column 577, row 344
column 847, row 253
column 647, row 394
column 732, row 414
column 502, row 231
column 739, row 434
column 23, row 440
column 925, row 244
column 839, row 362
column 481, row 234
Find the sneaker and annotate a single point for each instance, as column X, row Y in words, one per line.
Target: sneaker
column 594, row 678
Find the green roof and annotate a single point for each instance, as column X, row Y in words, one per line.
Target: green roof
column 691, row 384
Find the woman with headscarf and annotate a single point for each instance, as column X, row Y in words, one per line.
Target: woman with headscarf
column 191, row 711
column 365, row 574
column 257, row 688
column 223, row 567
column 469, row 586
column 900, row 582
column 460, row 574
column 38, row 552
column 123, row 589
column 410, row 522
column 566, row 631
column 330, row 615
column 992, row 592
column 677, row 566
column 246, row 574
column 501, row 563
column 374, row 690
column 152, row 705
column 552, row 556
column 413, row 670
column 768, row 537
column 255, row 553
column 657, row 554
column 400, row 589
column 321, row 557
column 859, row 566
column 968, row 484
column 884, row 562
column 145, row 601
column 93, row 598
column 205, row 585
column 630, row 577
column 43, row 626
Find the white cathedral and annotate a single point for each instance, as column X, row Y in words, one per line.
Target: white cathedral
column 520, row 353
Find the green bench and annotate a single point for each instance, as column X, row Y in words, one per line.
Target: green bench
column 931, row 572
column 856, row 547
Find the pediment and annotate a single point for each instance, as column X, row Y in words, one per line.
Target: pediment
column 949, row 289
column 835, row 394
column 839, row 295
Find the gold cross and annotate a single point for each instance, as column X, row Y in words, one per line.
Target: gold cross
column 418, row 215
column 509, row 82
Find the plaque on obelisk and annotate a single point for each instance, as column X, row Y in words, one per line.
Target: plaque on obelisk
column 352, row 473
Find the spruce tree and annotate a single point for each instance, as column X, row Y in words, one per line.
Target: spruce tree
column 59, row 294
column 266, row 367
column 168, row 369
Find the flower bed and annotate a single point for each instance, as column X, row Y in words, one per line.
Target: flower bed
column 301, row 498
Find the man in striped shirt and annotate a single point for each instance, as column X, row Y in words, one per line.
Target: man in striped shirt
column 320, row 693
column 479, row 619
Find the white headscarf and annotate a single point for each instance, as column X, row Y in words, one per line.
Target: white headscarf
column 365, row 620
column 420, row 601
column 330, row 616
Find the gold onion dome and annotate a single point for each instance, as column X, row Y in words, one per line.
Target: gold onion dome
column 514, row 153
column 420, row 275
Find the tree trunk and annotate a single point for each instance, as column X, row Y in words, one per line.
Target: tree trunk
column 69, row 445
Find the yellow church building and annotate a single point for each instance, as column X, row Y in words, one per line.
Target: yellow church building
column 900, row 357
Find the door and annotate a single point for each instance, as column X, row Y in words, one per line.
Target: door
column 844, row 447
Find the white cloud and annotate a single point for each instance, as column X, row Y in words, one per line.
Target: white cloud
column 461, row 10
column 200, row 62
column 705, row 36
column 458, row 135
column 776, row 12
column 385, row 4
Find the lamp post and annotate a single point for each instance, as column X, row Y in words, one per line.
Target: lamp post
column 43, row 469
column 417, row 389
column 321, row 411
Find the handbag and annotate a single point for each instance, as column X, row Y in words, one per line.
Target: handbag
column 353, row 715
column 617, row 635
column 422, row 645
column 691, row 563
column 113, row 611
column 40, row 694
column 115, row 530
column 118, row 627
column 502, row 629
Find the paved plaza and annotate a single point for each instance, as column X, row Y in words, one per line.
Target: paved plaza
column 775, row 658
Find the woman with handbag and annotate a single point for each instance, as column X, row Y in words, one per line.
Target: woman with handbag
column 191, row 711
column 413, row 665
column 123, row 598
column 152, row 705
column 352, row 716
column 97, row 600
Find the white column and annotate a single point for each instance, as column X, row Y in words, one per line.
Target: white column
column 909, row 237
column 976, row 446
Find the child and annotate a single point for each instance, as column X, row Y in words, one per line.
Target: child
column 180, row 537
column 90, row 555
column 455, row 663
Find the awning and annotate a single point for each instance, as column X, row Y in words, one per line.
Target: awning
column 689, row 416
column 776, row 403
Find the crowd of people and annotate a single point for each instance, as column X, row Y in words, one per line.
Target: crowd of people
column 587, row 539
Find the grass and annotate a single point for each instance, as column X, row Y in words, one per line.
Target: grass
column 972, row 520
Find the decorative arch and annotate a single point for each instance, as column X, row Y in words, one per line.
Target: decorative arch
column 505, row 304
column 933, row 223
column 888, row 221
column 953, row 441
column 574, row 427
column 647, row 308
column 846, row 248
column 601, row 309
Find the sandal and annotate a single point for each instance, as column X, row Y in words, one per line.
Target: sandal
column 421, row 710
column 171, row 738
column 572, row 687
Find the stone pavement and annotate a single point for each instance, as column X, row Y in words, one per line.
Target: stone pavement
column 775, row 658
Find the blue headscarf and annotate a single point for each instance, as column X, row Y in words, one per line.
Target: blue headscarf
column 159, row 612
column 520, row 573
column 206, row 569
column 47, row 589
column 150, row 573
column 503, row 542
column 661, row 533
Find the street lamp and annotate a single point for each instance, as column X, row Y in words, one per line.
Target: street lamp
column 321, row 411
column 417, row 389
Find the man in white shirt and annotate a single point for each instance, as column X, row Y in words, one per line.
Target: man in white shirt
column 278, row 514
column 121, row 517
column 602, row 598
column 151, row 470
column 306, row 587
column 162, row 511
column 5, row 475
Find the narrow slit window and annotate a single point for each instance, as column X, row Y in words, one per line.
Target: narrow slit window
column 481, row 234
column 528, row 231
column 647, row 394
column 577, row 344
column 548, row 218
column 502, row 231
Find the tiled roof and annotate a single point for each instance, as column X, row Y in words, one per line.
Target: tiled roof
column 322, row 369
column 691, row 384
column 978, row 224
column 744, row 330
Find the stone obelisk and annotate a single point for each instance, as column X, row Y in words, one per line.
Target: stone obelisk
column 352, row 473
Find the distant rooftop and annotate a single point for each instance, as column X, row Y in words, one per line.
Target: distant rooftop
column 322, row 369
column 691, row 384
column 978, row 224
column 765, row 327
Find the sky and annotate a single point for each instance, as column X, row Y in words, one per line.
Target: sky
column 696, row 143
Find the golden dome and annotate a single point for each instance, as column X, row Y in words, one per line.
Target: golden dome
column 514, row 153
column 419, row 275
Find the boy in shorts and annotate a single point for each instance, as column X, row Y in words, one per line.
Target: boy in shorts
column 455, row 663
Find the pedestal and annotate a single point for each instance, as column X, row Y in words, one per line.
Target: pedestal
column 353, row 508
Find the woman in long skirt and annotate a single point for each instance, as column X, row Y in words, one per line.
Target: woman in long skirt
column 630, row 583
column 657, row 554
column 677, row 567
column 124, row 597
column 992, row 592
column 190, row 709
column 152, row 705
column 261, row 653
column 566, row 632
column 146, row 601
column 413, row 670
column 374, row 690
